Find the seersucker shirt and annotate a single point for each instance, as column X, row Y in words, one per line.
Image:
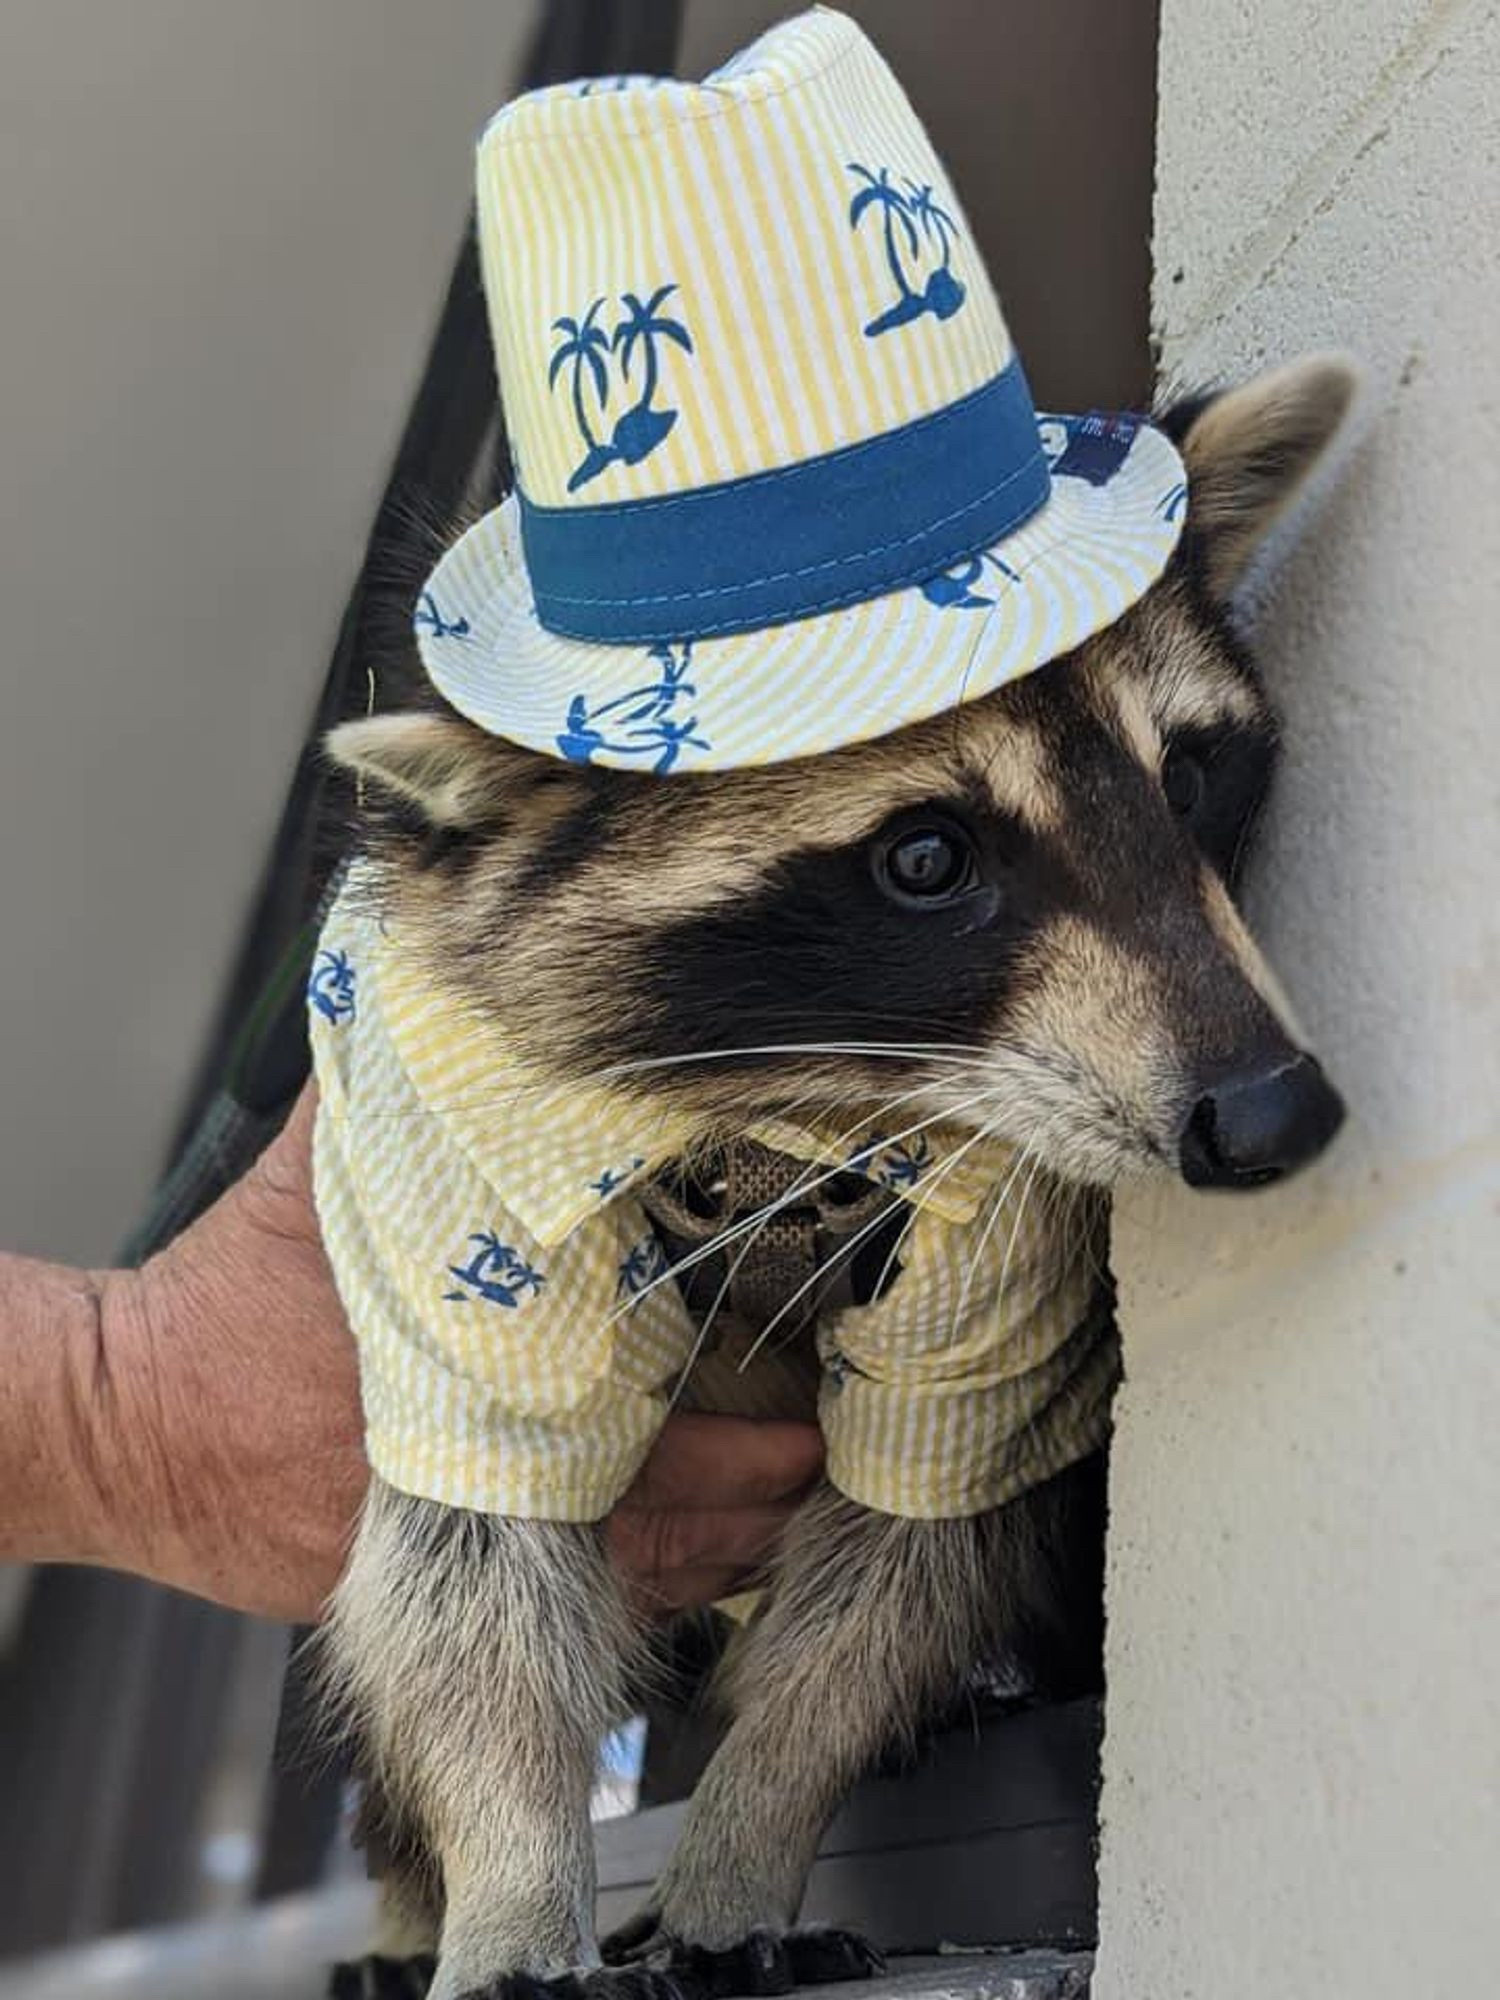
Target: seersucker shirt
column 519, row 1337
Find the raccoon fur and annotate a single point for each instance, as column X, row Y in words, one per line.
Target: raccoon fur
column 735, row 935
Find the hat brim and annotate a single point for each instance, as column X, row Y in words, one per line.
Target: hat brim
column 818, row 684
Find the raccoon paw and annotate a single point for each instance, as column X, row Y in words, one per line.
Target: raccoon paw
column 775, row 1962
column 381, row 1979
column 764, row 1962
column 823, row 1954
column 624, row 1982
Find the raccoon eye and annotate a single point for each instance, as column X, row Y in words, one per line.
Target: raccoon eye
column 926, row 864
column 1184, row 781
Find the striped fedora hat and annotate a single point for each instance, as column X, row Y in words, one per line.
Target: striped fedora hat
column 780, row 484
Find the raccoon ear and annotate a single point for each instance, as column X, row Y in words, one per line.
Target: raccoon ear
column 1249, row 451
column 438, row 766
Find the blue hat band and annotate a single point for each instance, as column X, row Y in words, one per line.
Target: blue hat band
column 781, row 545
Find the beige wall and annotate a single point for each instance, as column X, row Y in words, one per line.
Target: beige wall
column 225, row 226
column 1302, row 1790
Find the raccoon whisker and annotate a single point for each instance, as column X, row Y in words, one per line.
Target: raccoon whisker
column 758, row 1220
column 1054, row 1211
column 846, row 1250
column 1070, row 1197
column 752, row 1225
column 818, row 1101
column 976, row 1256
column 1058, row 1211
column 992, row 1220
column 917, row 1207
column 1128, row 1135
column 1016, row 1225
column 836, row 1106
column 951, row 1052
column 829, row 1264
column 953, row 1056
column 921, row 1204
column 843, row 1251
column 718, row 1300
column 843, row 1254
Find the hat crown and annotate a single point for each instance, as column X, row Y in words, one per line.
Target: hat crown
column 780, row 484
column 690, row 284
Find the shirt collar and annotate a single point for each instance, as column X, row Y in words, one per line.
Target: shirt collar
column 558, row 1153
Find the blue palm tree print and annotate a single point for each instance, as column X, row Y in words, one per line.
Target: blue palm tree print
column 909, row 216
column 1092, row 447
column 495, row 1273
column 641, row 329
column 330, row 986
column 1173, row 501
column 944, row 292
column 896, row 1165
column 613, row 1179
column 427, row 614
column 642, row 722
column 586, row 345
column 955, row 587
column 597, row 86
column 641, row 1265
column 642, row 427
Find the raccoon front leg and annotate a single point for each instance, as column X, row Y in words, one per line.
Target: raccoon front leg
column 408, row 1919
column 872, row 1623
column 482, row 1660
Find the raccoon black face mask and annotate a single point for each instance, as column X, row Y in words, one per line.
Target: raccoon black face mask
column 1010, row 928
column 1042, row 881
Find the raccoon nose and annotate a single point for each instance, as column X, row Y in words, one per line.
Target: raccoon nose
column 1259, row 1124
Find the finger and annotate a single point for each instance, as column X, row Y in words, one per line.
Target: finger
column 280, row 1182
column 738, row 1538
column 654, row 1545
column 714, row 1463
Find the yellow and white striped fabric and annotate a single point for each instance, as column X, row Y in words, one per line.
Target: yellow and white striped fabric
column 517, row 1356
column 737, row 190
column 696, row 286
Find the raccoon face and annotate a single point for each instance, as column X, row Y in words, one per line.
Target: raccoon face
column 1018, row 915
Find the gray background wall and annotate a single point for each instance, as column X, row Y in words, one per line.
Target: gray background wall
column 225, row 229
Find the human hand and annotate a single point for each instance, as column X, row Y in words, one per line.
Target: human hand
column 237, row 1455
column 214, row 1404
column 707, row 1507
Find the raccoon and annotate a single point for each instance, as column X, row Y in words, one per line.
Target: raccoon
column 1022, row 914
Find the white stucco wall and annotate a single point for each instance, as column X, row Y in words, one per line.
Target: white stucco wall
column 1302, row 1782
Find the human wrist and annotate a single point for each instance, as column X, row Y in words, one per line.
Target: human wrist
column 57, row 1426
column 138, row 1488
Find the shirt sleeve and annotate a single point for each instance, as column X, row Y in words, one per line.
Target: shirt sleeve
column 497, row 1374
column 985, row 1369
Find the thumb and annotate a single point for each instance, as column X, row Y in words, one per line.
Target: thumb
column 712, row 1463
